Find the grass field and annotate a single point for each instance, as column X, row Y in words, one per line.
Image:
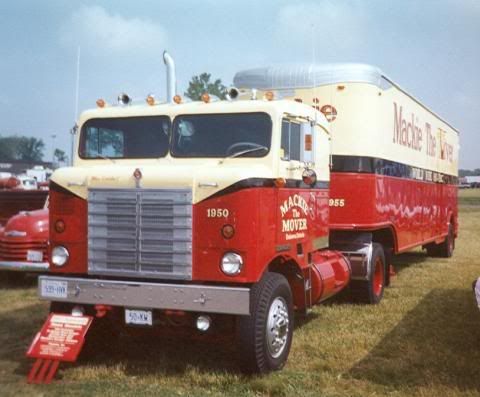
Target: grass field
column 422, row 340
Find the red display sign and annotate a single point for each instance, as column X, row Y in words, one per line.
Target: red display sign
column 60, row 339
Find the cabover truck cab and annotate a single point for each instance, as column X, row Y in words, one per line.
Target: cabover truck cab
column 394, row 169
column 214, row 211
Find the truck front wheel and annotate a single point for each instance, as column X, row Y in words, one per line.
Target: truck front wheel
column 265, row 336
column 371, row 290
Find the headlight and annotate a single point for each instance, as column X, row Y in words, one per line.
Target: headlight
column 231, row 263
column 59, row 256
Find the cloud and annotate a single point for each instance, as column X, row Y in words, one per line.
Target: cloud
column 96, row 30
column 339, row 25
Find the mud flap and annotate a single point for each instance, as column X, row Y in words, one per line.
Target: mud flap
column 60, row 339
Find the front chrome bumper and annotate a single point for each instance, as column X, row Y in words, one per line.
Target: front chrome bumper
column 24, row 266
column 148, row 295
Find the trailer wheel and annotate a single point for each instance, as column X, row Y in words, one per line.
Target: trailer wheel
column 371, row 291
column 265, row 336
column 445, row 249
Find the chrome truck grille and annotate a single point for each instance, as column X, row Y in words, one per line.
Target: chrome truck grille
column 140, row 232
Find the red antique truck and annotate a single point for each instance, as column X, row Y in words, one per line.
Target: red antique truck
column 227, row 214
column 24, row 242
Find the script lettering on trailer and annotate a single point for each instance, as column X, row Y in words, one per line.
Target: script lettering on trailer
column 408, row 132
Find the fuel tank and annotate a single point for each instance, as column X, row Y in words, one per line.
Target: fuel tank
column 330, row 273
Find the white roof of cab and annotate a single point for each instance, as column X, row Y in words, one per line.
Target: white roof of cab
column 237, row 106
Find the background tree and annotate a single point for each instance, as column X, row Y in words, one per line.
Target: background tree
column 60, row 156
column 30, row 149
column 21, row 148
column 475, row 172
column 201, row 84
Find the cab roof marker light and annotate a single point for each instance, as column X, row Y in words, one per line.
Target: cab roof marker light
column 177, row 99
column 205, row 97
column 269, row 96
column 101, row 103
column 150, row 100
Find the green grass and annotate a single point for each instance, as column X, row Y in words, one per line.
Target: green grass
column 422, row 340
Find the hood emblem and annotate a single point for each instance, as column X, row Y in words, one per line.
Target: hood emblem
column 15, row 233
column 137, row 174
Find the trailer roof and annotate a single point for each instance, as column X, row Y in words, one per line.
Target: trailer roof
column 309, row 75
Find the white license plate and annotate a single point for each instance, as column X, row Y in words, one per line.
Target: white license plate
column 54, row 289
column 138, row 317
column 34, row 256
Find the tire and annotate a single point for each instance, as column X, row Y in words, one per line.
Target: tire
column 371, row 291
column 445, row 249
column 263, row 345
column 432, row 250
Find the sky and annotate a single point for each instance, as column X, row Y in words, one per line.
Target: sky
column 431, row 48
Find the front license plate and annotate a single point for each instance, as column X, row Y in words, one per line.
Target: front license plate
column 34, row 256
column 54, row 289
column 138, row 317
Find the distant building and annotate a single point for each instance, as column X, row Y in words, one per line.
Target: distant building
column 17, row 167
column 473, row 181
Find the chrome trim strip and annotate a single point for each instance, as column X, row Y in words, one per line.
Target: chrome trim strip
column 24, row 266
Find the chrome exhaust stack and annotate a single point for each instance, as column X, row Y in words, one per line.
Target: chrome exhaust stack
column 171, row 78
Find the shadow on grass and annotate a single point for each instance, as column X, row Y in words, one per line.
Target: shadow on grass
column 17, row 280
column 407, row 259
column 438, row 342
column 153, row 354
column 17, row 330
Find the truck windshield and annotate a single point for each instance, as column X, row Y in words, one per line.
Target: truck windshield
column 126, row 137
column 221, row 135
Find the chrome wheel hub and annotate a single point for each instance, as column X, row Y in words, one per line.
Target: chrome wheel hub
column 277, row 327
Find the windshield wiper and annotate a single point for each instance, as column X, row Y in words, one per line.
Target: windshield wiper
column 101, row 156
column 251, row 150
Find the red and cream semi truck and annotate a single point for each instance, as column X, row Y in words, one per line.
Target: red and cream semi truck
column 218, row 212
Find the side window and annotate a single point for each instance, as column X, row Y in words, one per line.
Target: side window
column 291, row 136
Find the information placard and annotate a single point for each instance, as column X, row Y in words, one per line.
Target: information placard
column 61, row 337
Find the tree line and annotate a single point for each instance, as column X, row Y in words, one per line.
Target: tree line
column 24, row 148
column 475, row 172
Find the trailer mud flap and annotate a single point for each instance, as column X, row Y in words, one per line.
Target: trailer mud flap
column 60, row 339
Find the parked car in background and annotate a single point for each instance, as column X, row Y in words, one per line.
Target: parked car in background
column 24, row 242
column 27, row 182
